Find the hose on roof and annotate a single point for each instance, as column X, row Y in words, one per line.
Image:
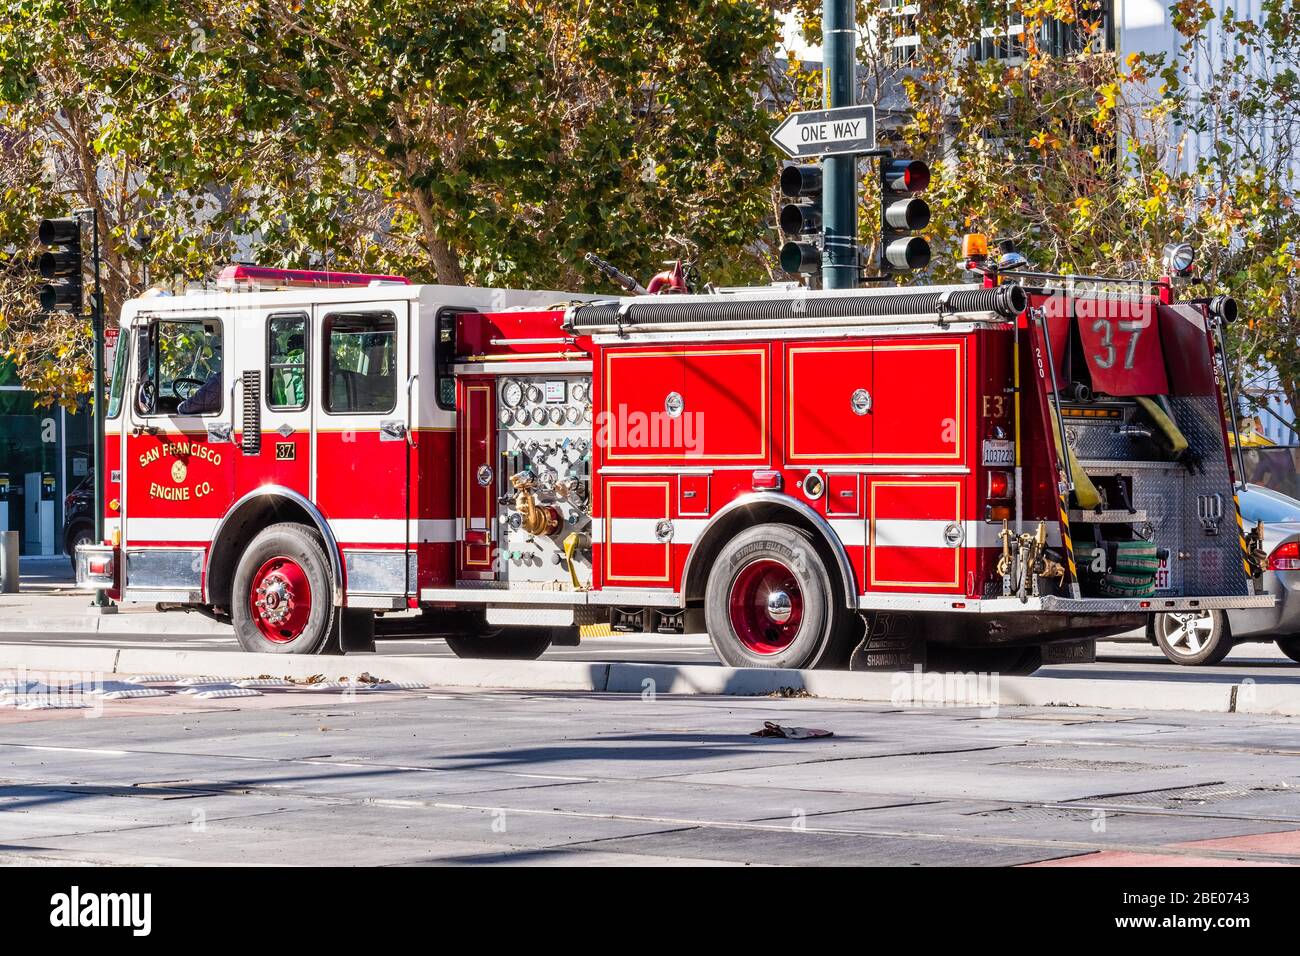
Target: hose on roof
column 1007, row 301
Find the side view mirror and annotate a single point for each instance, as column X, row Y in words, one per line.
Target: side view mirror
column 147, row 397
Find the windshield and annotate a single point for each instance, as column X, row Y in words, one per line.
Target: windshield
column 118, row 383
column 1257, row 505
column 180, row 368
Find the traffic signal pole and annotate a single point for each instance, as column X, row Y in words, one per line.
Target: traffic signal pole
column 97, row 395
column 840, row 194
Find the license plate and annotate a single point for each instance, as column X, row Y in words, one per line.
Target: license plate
column 998, row 451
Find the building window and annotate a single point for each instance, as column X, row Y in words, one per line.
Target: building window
column 1004, row 39
column 286, row 362
column 360, row 362
column 904, row 41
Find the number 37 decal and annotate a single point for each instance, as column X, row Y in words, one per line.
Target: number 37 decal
column 1107, row 327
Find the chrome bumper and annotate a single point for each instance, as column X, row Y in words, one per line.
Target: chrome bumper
column 1056, row 604
column 96, row 567
column 1147, row 605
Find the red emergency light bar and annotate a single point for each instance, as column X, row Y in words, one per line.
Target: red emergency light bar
column 244, row 275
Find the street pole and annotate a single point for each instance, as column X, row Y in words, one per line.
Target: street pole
column 97, row 396
column 839, row 173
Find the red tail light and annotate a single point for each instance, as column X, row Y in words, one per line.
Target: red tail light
column 1000, row 484
column 766, row 481
column 1285, row 557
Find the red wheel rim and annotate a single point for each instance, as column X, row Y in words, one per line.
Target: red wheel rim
column 766, row 606
column 280, row 600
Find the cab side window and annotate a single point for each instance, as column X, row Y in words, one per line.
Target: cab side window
column 286, row 361
column 360, row 362
column 180, row 364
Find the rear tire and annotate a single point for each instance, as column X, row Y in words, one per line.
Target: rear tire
column 503, row 643
column 1290, row 646
column 282, row 599
column 1194, row 638
column 771, row 602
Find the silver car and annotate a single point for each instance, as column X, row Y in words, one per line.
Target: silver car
column 1206, row 637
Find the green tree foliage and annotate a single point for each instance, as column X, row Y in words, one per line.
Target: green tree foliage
column 90, row 119
column 484, row 141
column 502, row 139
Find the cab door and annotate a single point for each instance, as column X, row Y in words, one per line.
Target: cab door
column 178, row 472
column 364, row 395
column 284, row 352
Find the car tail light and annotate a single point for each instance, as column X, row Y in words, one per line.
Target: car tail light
column 1285, row 557
column 100, row 565
column 1000, row 484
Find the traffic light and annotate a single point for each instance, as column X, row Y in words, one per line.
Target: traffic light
column 62, row 265
column 801, row 218
column 901, row 214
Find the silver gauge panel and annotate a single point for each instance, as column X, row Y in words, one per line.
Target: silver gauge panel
column 544, row 402
column 547, row 438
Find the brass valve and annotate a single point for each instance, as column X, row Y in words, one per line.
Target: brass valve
column 537, row 519
column 1025, row 558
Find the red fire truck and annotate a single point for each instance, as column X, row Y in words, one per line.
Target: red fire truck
column 965, row 475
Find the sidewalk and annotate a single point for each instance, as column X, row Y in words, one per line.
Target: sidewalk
column 48, row 602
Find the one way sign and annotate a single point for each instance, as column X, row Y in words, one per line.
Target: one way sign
column 849, row 129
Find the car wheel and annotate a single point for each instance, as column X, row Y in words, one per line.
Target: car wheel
column 1290, row 646
column 282, row 598
column 503, row 643
column 1192, row 637
column 83, row 535
column 771, row 602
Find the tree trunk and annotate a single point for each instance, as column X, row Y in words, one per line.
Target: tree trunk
column 445, row 261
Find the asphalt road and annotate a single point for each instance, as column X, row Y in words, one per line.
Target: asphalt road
column 412, row 777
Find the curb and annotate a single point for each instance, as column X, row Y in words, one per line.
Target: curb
column 904, row 689
column 177, row 623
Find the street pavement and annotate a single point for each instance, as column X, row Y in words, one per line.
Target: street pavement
column 434, row 777
column 51, row 604
column 329, row 775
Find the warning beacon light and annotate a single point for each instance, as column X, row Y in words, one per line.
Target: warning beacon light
column 244, row 276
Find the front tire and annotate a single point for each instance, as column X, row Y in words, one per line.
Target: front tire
column 282, row 600
column 771, row 602
column 1290, row 646
column 1193, row 638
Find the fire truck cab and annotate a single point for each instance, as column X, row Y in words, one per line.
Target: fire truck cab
column 872, row 477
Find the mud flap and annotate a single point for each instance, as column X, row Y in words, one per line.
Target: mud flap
column 889, row 643
column 1071, row 652
column 354, row 630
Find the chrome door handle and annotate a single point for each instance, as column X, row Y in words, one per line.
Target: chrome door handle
column 410, row 421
